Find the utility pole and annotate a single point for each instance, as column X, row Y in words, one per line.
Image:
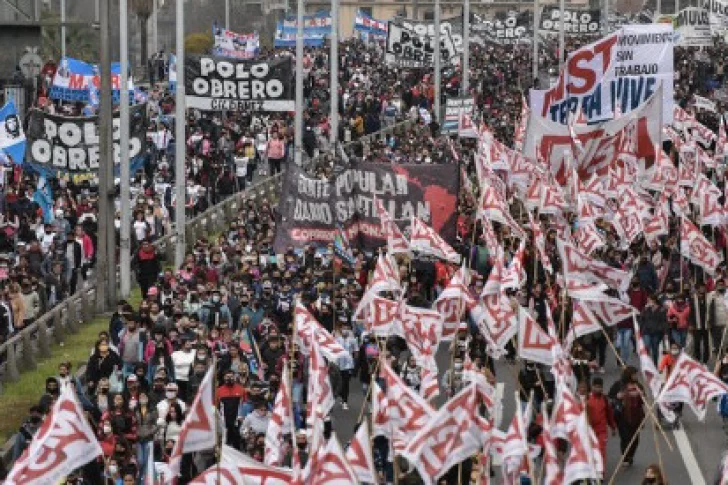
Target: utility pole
column 536, row 24
column 124, row 175
column 438, row 62
column 179, row 140
column 106, row 250
column 466, row 49
column 63, row 28
column 227, row 14
column 562, row 27
column 334, row 91
column 155, row 32
column 298, row 120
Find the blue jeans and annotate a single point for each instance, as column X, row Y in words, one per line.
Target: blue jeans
column 143, row 454
column 679, row 337
column 652, row 342
column 624, row 343
column 297, row 400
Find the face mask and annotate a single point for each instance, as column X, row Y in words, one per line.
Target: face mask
column 228, row 382
column 216, row 299
column 113, row 469
column 201, row 355
column 675, row 352
column 170, row 394
column 107, row 429
column 143, row 401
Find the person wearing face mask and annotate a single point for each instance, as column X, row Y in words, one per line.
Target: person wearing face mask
column 626, row 398
column 678, row 316
column 215, row 311
column 171, row 391
column 257, row 421
column 653, row 325
column 197, row 375
column 345, row 337
column 27, row 430
column 147, row 266
column 146, row 417
column 229, row 397
column 717, row 314
column 101, row 364
column 699, row 324
column 132, row 341
column 182, row 361
column 667, row 365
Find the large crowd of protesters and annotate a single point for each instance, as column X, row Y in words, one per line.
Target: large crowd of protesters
column 232, row 300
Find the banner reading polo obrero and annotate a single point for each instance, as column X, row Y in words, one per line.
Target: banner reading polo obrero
column 412, row 45
column 73, row 77
column 617, row 72
column 576, row 22
column 70, row 145
column 214, row 84
column 232, row 44
column 312, row 209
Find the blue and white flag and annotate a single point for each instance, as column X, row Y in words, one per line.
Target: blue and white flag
column 12, row 138
column 172, row 73
column 73, row 78
column 43, row 196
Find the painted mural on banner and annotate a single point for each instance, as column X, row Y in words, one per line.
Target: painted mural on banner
column 415, row 47
column 77, row 81
column 633, row 136
column 214, row 84
column 614, row 74
column 231, row 44
column 454, row 106
column 692, row 27
column 576, row 22
column 311, row 209
column 66, row 145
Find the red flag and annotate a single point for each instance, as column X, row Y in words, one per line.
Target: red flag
column 580, row 267
column 332, row 468
column 429, row 386
column 567, row 409
column 425, row 240
column 552, row 473
column 585, row 461
column 694, row 246
column 310, row 331
column 64, row 442
column 422, row 329
column 454, row 301
column 533, row 342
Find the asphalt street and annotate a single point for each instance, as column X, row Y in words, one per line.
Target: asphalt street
column 696, row 448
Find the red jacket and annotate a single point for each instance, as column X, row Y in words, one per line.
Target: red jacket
column 600, row 413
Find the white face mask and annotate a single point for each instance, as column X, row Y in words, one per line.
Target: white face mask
column 675, row 352
column 107, row 429
column 113, row 469
column 170, row 394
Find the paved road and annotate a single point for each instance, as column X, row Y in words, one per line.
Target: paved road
column 697, row 448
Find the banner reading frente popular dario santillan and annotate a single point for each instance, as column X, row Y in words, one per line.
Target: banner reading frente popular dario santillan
column 637, row 133
column 215, row 83
column 576, row 22
column 311, row 209
column 614, row 74
column 71, row 144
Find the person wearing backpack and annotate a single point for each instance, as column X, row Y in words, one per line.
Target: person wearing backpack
column 626, row 397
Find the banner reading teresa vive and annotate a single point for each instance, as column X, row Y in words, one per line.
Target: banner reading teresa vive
column 215, row 83
column 311, row 209
column 71, row 145
column 614, row 74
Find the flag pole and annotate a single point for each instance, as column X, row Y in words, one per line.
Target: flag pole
column 562, row 43
column 438, row 65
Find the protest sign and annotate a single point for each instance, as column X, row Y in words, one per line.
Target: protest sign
column 691, row 26
column 415, row 46
column 59, row 144
column 234, row 45
column 315, row 29
column 702, row 103
column 514, row 28
column 215, row 84
column 454, row 106
column 576, row 22
column 77, row 80
column 12, row 138
column 616, row 73
column 312, row 209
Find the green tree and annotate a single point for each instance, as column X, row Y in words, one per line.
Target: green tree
column 199, row 43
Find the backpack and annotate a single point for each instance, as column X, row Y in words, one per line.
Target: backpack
column 723, row 406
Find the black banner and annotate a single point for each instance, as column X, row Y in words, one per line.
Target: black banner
column 576, row 22
column 514, row 28
column 71, row 145
column 215, row 83
column 311, row 209
column 413, row 45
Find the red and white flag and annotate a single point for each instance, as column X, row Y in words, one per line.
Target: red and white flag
column 540, row 242
column 533, row 342
column 496, row 319
column 567, row 409
column 610, row 311
column 588, row 238
column 359, row 455
column 585, row 460
column 396, row 242
column 310, row 331
column 552, row 473
column 199, row 428
column 578, row 266
column 654, row 379
column 691, row 383
column 514, row 445
column 628, row 224
column 320, row 394
column 494, row 283
column 583, row 322
column 495, row 208
column 515, row 275
column 425, row 240
column 694, row 246
column 721, row 144
column 385, row 276
column 408, row 412
column 520, row 129
column 380, row 315
column 454, row 434
column 380, row 412
column 332, row 468
column 454, row 301
column 429, row 385
column 64, row 442
column 421, row 328
column 253, row 472
column 656, row 225
column 280, row 421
